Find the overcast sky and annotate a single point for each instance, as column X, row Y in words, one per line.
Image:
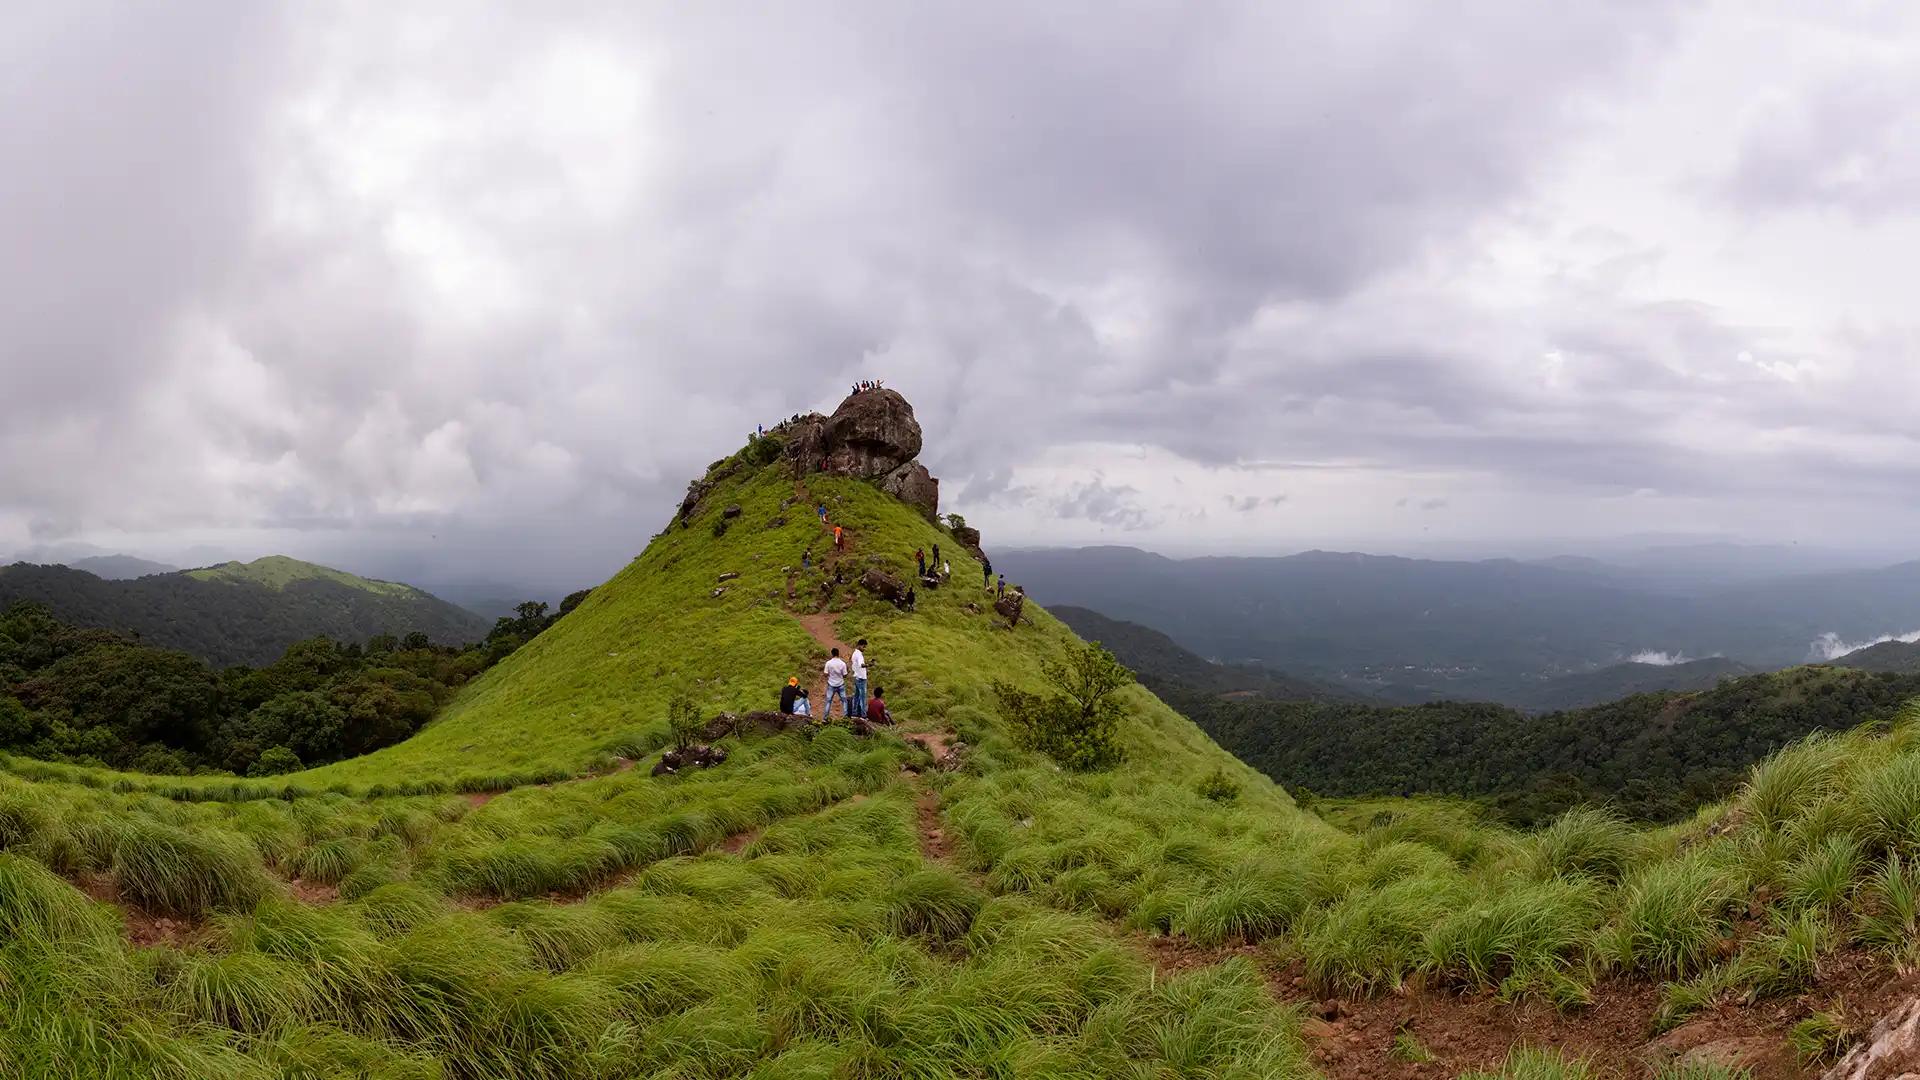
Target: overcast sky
column 475, row 291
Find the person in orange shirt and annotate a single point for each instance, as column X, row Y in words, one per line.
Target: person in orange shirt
column 839, row 541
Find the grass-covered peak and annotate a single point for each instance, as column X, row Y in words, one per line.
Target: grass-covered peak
column 280, row 571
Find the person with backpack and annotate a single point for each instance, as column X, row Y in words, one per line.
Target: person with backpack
column 836, row 672
column 986, row 573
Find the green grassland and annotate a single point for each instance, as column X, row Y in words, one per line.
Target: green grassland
column 279, row 571
column 785, row 914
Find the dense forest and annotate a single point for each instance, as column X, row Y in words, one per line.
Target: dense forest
column 230, row 617
column 1653, row 757
column 99, row 697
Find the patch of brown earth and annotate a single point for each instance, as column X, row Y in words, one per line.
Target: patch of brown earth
column 1354, row 1039
column 1172, row 954
column 312, row 892
column 143, row 928
column 936, row 743
column 738, row 842
column 1462, row 1031
column 934, row 845
column 478, row 799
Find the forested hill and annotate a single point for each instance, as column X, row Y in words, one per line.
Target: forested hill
column 241, row 613
column 1158, row 659
column 1651, row 756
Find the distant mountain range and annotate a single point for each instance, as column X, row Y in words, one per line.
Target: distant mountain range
column 241, row 613
column 1500, row 629
column 119, row 567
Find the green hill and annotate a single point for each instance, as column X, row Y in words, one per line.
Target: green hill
column 823, row 904
column 241, row 613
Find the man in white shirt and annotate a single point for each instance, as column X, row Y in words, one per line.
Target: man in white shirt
column 836, row 670
column 860, row 677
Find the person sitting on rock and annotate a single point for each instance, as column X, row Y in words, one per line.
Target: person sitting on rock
column 877, row 711
column 836, row 672
column 789, row 694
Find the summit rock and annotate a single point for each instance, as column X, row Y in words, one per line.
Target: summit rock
column 872, row 435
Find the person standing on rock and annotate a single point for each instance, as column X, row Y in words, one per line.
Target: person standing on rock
column 836, row 672
column 860, row 677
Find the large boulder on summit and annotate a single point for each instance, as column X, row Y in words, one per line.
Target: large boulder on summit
column 914, row 485
column 873, row 436
column 870, row 435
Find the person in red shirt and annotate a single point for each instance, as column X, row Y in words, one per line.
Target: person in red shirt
column 877, row 708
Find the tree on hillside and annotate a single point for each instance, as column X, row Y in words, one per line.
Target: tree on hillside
column 1079, row 725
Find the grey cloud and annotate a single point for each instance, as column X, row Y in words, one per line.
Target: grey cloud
column 1245, row 503
column 362, row 275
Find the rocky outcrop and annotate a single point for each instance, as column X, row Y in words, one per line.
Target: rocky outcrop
column 969, row 538
column 883, row 585
column 1011, row 606
column 1891, row 1051
column 872, row 435
column 914, row 485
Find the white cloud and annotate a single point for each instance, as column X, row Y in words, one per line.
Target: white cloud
column 1828, row 646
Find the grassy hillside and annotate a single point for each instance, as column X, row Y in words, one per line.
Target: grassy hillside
column 241, row 613
column 822, row 905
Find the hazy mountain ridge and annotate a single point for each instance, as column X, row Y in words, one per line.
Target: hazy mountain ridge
column 1158, row 659
column 1420, row 629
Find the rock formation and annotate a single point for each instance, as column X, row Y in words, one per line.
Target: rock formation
column 873, row 436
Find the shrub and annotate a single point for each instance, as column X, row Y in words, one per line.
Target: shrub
column 1219, row 787
column 1078, row 726
column 683, row 720
column 274, row 761
column 1890, row 910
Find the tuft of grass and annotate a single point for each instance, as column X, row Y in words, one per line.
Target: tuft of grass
column 1532, row 1063
column 932, row 903
column 1406, row 1047
column 1823, row 1037
column 180, row 872
column 1584, row 841
column 1890, row 910
column 1675, row 914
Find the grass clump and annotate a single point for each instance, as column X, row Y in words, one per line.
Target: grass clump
column 180, row 872
column 1823, row 1037
column 1674, row 914
column 1532, row 1063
